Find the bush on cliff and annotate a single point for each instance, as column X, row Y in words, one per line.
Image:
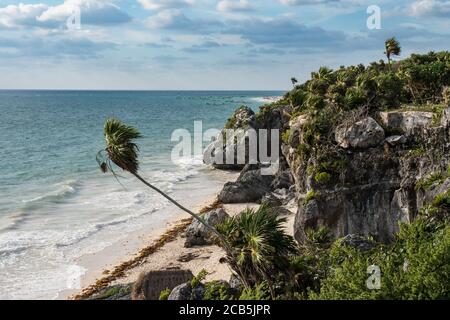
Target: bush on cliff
column 415, row 266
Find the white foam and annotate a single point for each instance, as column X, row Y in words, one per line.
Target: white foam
column 267, row 99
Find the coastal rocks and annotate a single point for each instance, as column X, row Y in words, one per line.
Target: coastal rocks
column 223, row 152
column 282, row 180
column 362, row 134
column 250, row 186
column 407, row 122
column 186, row 292
column 197, row 234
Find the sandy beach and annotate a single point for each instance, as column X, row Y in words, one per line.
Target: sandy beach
column 161, row 249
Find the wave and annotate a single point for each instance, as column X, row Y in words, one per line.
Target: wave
column 63, row 190
column 267, row 99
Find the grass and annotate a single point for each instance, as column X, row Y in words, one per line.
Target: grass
column 435, row 178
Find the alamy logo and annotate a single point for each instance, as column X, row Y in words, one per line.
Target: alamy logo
column 374, row 280
column 374, row 20
column 73, row 22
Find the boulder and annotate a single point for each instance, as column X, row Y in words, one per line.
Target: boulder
column 362, row 134
column 186, row 292
column 282, row 180
column 250, row 186
column 197, row 234
column 396, row 140
column 271, row 200
column 407, row 122
column 181, row 292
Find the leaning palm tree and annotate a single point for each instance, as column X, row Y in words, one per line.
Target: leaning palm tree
column 392, row 49
column 123, row 152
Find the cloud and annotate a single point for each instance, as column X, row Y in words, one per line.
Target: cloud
column 173, row 19
column 432, row 8
column 305, row 2
column 203, row 47
column 165, row 4
column 92, row 12
column 285, row 32
column 56, row 46
column 233, row 6
column 14, row 16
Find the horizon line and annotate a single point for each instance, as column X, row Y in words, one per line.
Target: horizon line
column 142, row 90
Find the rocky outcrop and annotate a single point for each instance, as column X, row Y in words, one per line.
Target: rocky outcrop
column 407, row 122
column 376, row 186
column 198, row 235
column 222, row 153
column 362, row 134
column 250, row 186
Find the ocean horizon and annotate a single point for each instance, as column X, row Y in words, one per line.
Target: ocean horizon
column 56, row 205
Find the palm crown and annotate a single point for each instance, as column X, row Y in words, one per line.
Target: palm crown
column 120, row 146
column 392, row 48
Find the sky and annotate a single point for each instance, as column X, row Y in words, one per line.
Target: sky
column 203, row 44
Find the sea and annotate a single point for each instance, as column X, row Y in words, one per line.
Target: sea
column 57, row 206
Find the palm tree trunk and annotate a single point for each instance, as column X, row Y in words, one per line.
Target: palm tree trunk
column 196, row 216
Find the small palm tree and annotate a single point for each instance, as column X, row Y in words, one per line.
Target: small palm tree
column 261, row 247
column 294, row 81
column 123, row 152
column 392, row 49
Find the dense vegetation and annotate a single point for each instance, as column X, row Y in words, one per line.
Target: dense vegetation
column 416, row 265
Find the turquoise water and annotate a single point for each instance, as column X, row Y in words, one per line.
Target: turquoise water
column 55, row 205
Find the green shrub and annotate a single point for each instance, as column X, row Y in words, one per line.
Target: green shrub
column 164, row 295
column 195, row 282
column 322, row 177
column 260, row 248
column 285, row 136
column 416, row 266
column 258, row 292
column 311, row 195
column 217, row 290
column 425, row 184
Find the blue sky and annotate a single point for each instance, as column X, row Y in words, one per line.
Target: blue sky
column 202, row 44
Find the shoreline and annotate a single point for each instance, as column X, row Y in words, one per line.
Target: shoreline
column 167, row 251
column 110, row 264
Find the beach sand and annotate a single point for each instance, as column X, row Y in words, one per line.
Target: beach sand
column 161, row 249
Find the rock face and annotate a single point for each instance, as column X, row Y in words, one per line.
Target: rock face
column 406, row 121
column 377, row 185
column 218, row 153
column 363, row 134
column 250, row 186
column 197, row 234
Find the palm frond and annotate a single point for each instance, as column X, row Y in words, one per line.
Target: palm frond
column 120, row 146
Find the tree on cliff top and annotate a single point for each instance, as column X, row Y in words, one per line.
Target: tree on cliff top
column 392, row 48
